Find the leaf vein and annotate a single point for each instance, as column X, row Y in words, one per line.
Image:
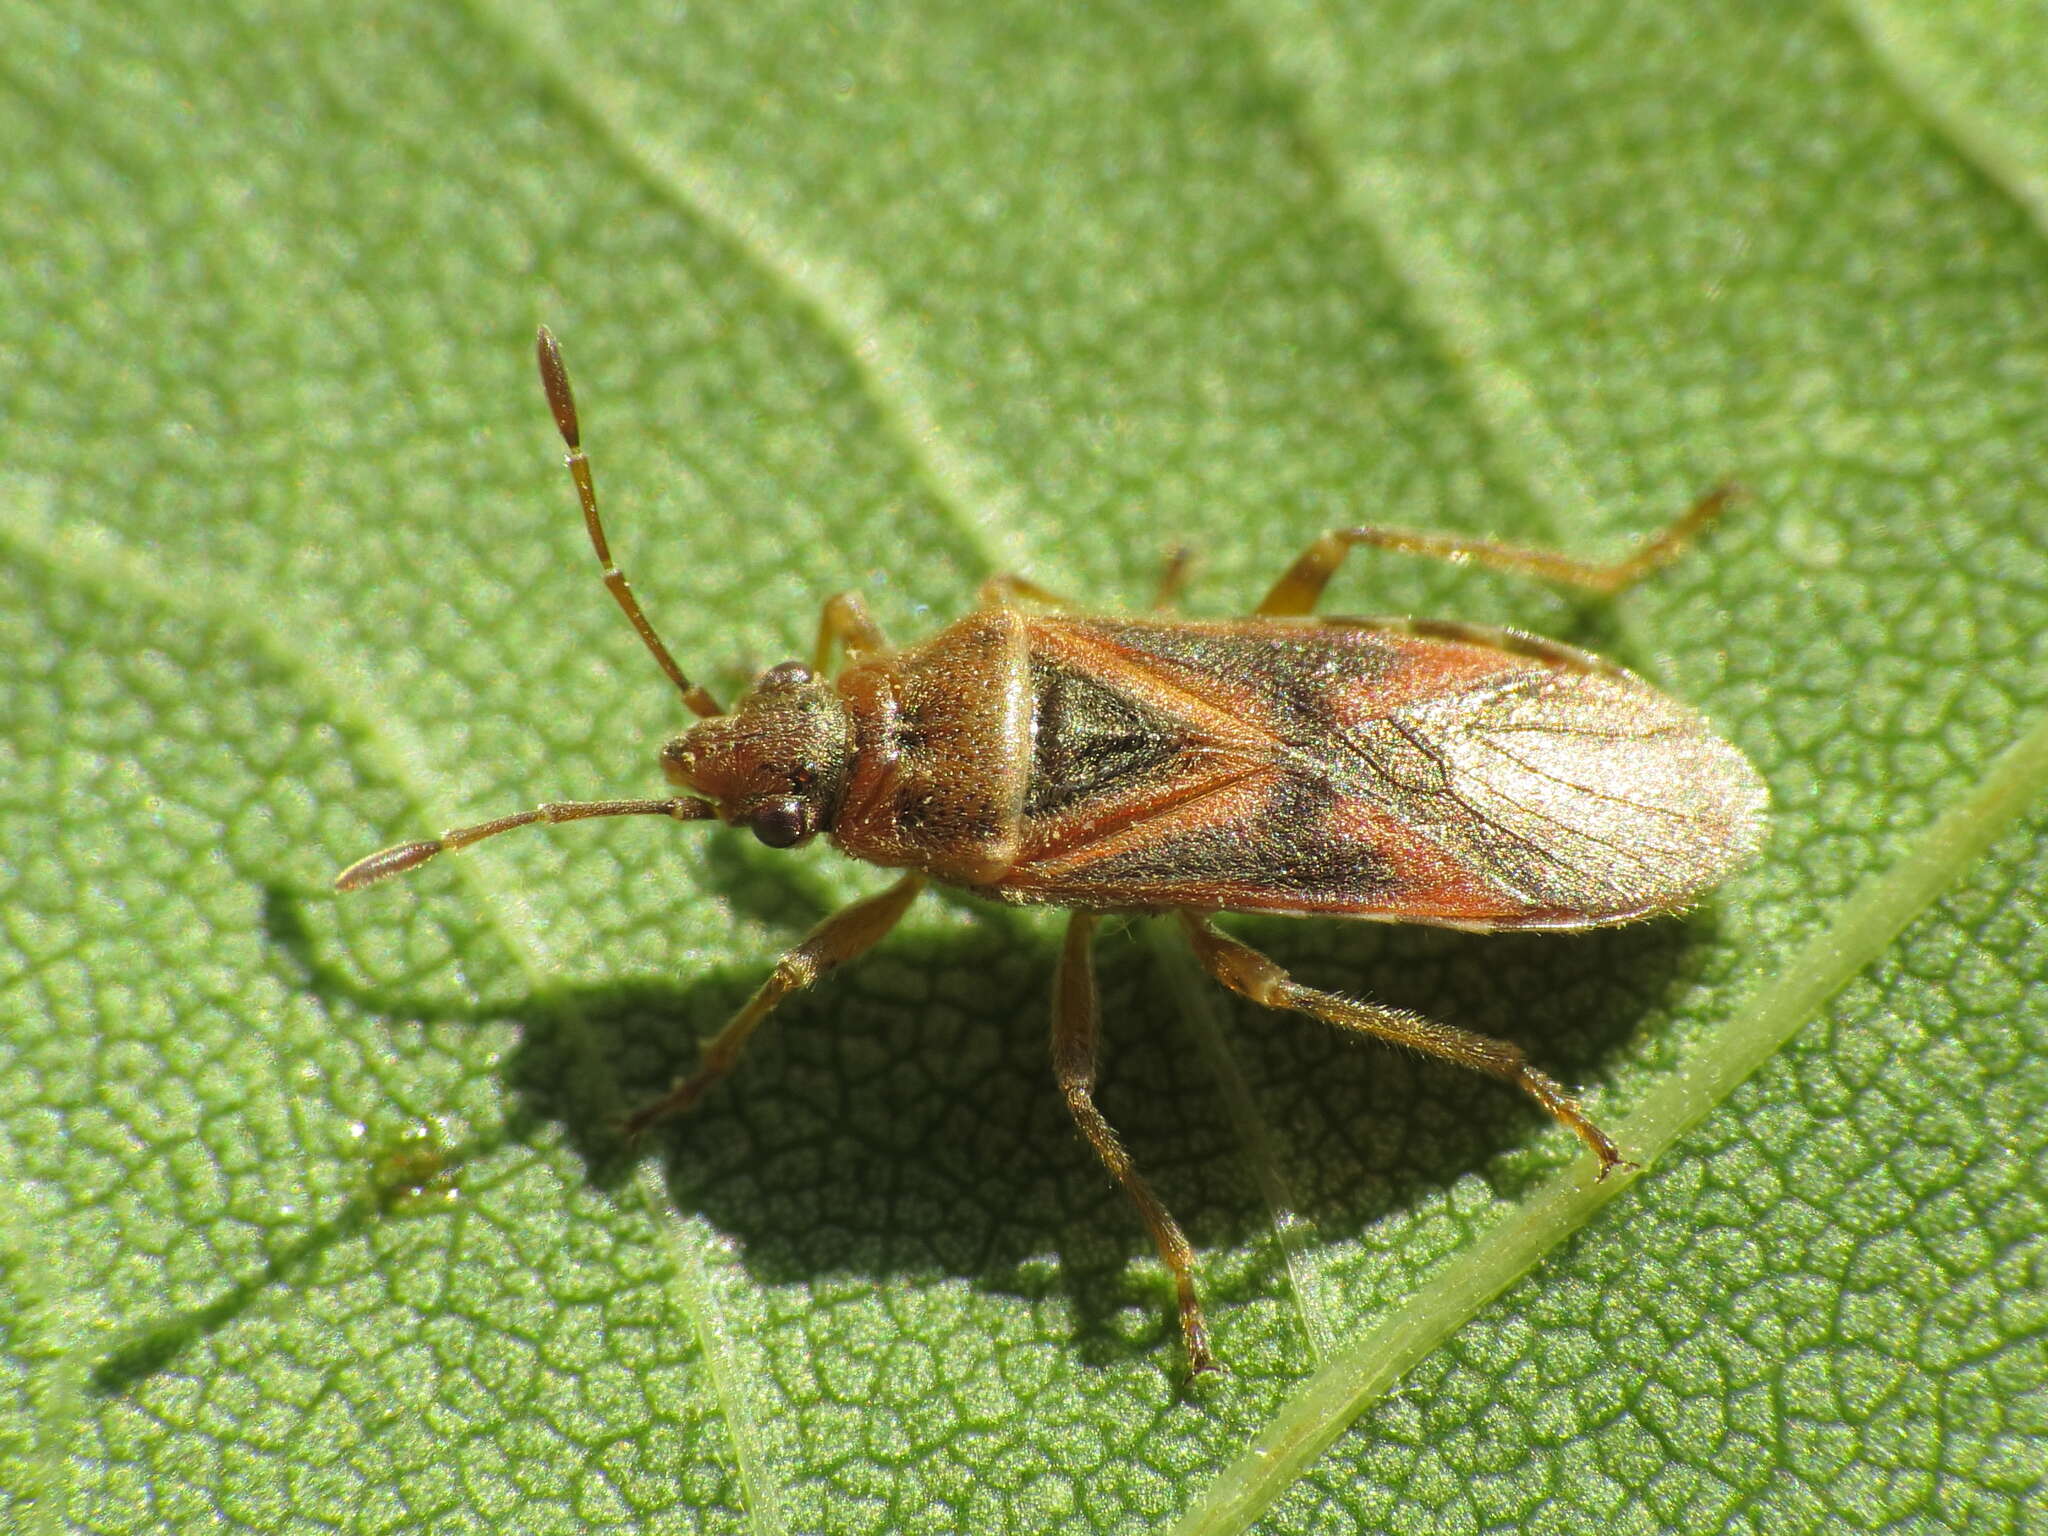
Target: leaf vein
column 848, row 306
column 94, row 558
column 1443, row 300
column 1904, row 54
column 1867, row 922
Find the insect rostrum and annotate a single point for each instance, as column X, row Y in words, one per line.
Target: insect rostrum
column 1390, row 769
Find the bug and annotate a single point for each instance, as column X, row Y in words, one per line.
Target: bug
column 1399, row 770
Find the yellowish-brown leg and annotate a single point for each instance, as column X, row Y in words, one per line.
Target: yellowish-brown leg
column 1250, row 974
column 1297, row 592
column 1173, row 578
column 1075, row 1031
column 845, row 935
column 845, row 620
column 1008, row 588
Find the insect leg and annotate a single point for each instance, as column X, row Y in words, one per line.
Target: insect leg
column 1075, row 1021
column 845, row 935
column 1004, row 591
column 1007, row 589
column 1173, row 578
column 1296, row 592
column 846, row 621
column 1250, row 974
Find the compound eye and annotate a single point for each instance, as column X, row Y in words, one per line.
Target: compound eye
column 790, row 674
column 780, row 823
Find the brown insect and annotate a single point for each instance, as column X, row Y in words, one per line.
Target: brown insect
column 1395, row 769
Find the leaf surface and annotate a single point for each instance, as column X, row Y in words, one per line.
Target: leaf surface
column 311, row 1212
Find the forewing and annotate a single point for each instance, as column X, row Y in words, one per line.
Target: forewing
column 1442, row 774
column 1576, row 796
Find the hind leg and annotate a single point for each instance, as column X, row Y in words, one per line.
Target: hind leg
column 1297, row 592
column 1250, row 974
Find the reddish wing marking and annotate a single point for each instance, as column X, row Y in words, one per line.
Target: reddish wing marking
column 1460, row 776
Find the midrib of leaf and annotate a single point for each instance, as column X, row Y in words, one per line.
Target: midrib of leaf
column 1910, row 56
column 1327, row 1403
column 848, row 306
column 93, row 558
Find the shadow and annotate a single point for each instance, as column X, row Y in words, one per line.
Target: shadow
column 756, row 883
column 1406, row 1124
column 901, row 1118
column 410, row 1177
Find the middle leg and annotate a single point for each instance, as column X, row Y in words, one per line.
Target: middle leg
column 1174, row 572
column 1008, row 589
column 1075, row 1031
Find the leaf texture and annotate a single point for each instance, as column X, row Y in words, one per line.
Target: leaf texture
column 312, row 1216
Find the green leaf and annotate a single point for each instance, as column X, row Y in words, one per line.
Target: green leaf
column 311, row 1212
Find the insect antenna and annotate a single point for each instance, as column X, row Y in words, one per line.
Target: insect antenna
column 554, row 378
column 397, row 860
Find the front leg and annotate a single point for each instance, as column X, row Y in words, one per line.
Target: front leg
column 1075, row 1030
column 845, row 621
column 845, row 935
